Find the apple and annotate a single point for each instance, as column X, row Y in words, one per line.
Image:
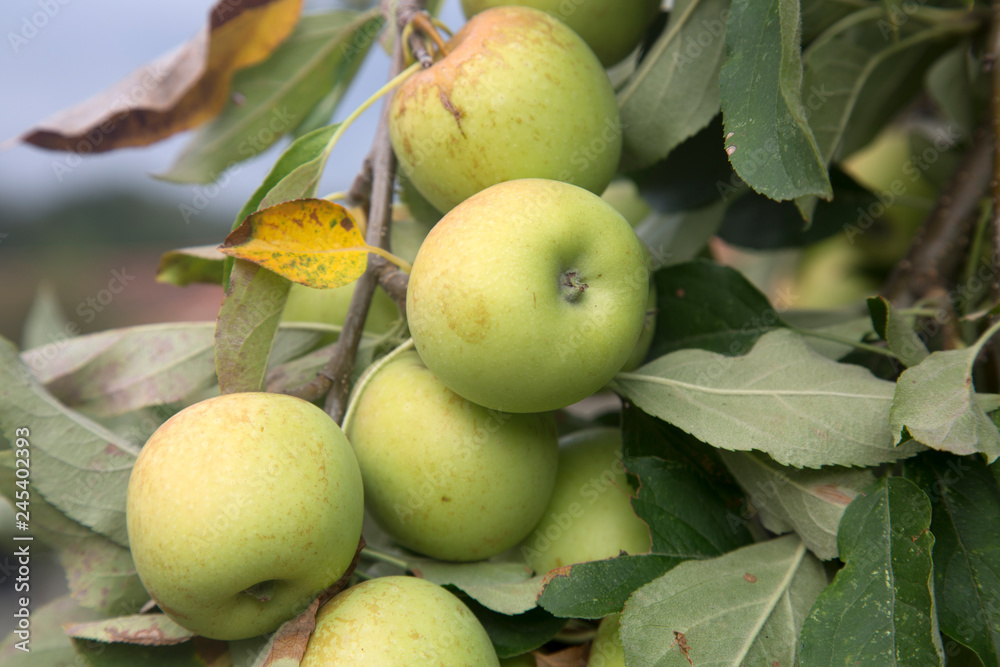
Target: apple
column 590, row 514
column 607, row 649
column 398, row 621
column 612, row 28
column 241, row 509
column 445, row 477
column 624, row 195
column 519, row 95
column 528, row 296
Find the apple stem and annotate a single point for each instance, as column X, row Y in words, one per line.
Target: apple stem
column 572, row 286
column 373, row 554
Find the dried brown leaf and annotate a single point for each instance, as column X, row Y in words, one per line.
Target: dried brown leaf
column 178, row 91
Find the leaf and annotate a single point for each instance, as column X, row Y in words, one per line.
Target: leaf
column 880, row 607
column 948, row 83
column 517, row 634
column 686, row 516
column 248, row 321
column 508, row 588
column 782, row 398
column 744, row 608
column 754, row 221
column 199, row 652
column 897, row 331
column 810, row 502
column 825, row 329
column 142, row 629
column 597, row 588
column 46, row 321
column 965, row 500
column 284, row 647
column 769, row 141
column 79, row 466
column 935, row 404
column 705, row 305
column 122, row 370
column 679, row 236
column 100, row 573
column 277, row 94
column 674, row 92
column 185, row 266
column 313, row 242
column 179, row 90
column 48, row 644
column 855, row 78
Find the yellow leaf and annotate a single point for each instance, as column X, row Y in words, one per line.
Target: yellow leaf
column 313, row 242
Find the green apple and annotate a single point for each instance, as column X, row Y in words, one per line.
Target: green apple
column 519, row 95
column 612, row 28
column 241, row 509
column 445, row 477
column 607, row 649
column 624, row 195
column 329, row 306
column 590, row 514
column 398, row 621
column 529, row 296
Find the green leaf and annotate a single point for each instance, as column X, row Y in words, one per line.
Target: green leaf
column 674, row 93
column 508, row 588
column 948, row 83
column 46, row 321
column 122, row 370
column 248, row 322
column 686, row 517
column 824, row 330
column 79, row 466
column 769, row 141
column 782, row 398
column 100, row 574
column 186, row 266
column 897, row 331
column 679, row 236
column 705, row 305
column 517, row 634
column 965, row 499
column 935, row 403
column 744, row 608
column 48, row 644
column 879, row 609
column 754, row 221
column 855, row 79
column 197, row 653
column 272, row 98
column 597, row 588
column 810, row 502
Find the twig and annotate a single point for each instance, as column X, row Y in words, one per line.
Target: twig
column 936, row 252
column 374, row 184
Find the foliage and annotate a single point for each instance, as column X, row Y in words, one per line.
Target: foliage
column 821, row 487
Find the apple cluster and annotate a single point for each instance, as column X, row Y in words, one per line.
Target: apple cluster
column 527, row 296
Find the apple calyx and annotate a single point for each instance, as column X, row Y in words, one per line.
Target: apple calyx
column 262, row 591
column 571, row 286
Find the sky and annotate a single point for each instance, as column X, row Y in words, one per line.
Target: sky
column 56, row 53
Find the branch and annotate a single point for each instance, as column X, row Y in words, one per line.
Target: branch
column 374, row 187
column 936, row 254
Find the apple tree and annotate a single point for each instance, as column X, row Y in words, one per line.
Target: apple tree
column 655, row 333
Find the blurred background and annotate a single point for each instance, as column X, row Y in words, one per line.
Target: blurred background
column 91, row 235
column 70, row 229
